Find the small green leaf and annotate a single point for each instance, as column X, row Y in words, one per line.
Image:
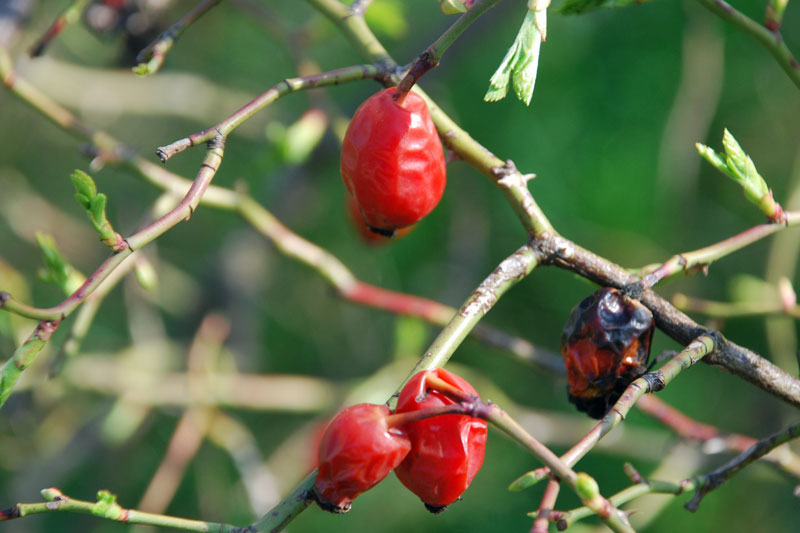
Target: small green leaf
column 84, row 184
column 740, row 167
column 498, row 84
column 106, row 505
column 733, row 150
column 520, row 63
column 712, row 157
column 98, row 211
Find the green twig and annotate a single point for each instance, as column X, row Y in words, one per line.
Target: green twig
column 290, row 85
column 733, row 309
column 699, row 260
column 565, row 519
column 10, row 372
column 70, row 15
column 708, row 482
column 507, row 274
column 23, row 357
column 433, row 54
column 107, row 507
column 152, row 57
column 772, row 41
column 289, row 508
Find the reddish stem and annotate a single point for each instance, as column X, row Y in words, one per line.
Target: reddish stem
column 402, row 419
column 437, row 384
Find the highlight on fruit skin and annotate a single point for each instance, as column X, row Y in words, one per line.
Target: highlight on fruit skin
column 357, row 451
column 446, row 451
column 605, row 345
column 393, row 162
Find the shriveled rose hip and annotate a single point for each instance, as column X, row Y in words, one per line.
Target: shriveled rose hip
column 356, row 452
column 605, row 345
column 446, row 451
column 393, row 162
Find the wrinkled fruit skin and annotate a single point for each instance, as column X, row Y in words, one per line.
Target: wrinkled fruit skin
column 357, row 451
column 393, row 162
column 446, row 451
column 605, row 345
column 367, row 235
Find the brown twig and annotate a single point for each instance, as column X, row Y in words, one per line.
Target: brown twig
column 708, row 482
column 152, row 57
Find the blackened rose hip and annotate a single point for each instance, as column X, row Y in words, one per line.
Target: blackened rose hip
column 605, row 345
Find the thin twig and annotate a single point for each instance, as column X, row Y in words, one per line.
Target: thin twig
column 541, row 522
column 433, row 54
column 772, row 41
column 715, row 440
column 289, row 85
column 565, row 519
column 699, row 260
column 11, row 370
column 152, row 57
column 107, row 507
column 733, row 309
column 70, row 15
column 708, row 482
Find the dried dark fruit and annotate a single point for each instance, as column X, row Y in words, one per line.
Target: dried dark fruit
column 605, row 345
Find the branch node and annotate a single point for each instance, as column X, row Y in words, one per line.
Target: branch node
column 655, row 381
column 166, row 152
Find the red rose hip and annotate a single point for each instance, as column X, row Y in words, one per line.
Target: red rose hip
column 446, row 451
column 605, row 345
column 393, row 162
column 356, row 452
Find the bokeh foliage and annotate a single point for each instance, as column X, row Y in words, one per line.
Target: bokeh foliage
column 610, row 176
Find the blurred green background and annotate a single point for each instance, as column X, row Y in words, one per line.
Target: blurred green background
column 621, row 98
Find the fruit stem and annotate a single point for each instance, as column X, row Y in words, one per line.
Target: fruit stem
column 401, row 419
column 437, row 384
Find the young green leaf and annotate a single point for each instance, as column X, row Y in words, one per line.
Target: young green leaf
column 95, row 205
column 740, row 167
column 521, row 62
column 85, row 189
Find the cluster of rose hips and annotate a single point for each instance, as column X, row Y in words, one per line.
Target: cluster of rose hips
column 435, row 457
column 392, row 162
